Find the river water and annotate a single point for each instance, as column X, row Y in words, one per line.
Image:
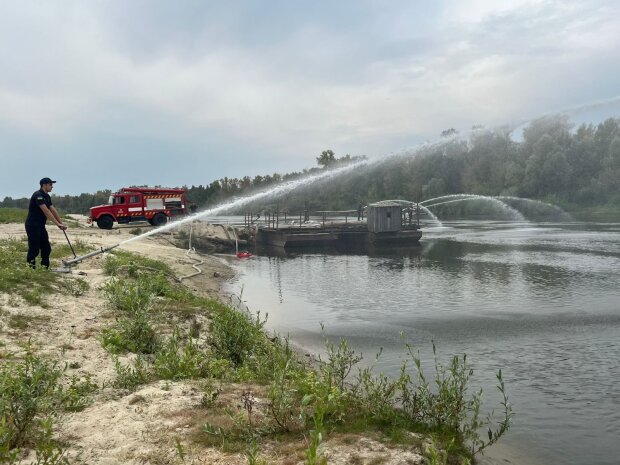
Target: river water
column 539, row 300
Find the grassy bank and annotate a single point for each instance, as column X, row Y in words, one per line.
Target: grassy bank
column 258, row 398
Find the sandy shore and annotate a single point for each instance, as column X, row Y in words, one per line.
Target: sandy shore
column 142, row 427
column 114, row 429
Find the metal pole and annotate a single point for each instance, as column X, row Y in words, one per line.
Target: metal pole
column 91, row 254
column 74, row 254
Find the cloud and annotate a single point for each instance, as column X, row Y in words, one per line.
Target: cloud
column 270, row 85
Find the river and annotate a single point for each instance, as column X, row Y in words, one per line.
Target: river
column 539, row 300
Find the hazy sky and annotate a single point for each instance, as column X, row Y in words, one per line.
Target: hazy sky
column 101, row 94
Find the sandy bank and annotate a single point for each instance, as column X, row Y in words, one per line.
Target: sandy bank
column 142, row 427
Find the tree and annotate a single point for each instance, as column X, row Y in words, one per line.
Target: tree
column 449, row 132
column 326, row 158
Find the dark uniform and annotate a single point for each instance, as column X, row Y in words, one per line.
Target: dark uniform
column 38, row 240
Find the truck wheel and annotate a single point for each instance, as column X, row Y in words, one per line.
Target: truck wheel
column 150, row 220
column 160, row 219
column 105, row 222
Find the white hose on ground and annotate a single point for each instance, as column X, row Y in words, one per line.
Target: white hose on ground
column 190, row 250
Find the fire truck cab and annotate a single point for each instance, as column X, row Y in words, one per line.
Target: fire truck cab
column 131, row 204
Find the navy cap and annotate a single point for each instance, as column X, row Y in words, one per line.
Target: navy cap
column 46, row 181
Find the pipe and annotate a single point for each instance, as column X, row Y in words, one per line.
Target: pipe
column 77, row 260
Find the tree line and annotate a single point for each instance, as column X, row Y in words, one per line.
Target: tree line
column 553, row 161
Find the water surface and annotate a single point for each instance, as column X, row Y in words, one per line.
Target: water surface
column 541, row 301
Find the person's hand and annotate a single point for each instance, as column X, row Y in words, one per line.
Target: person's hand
column 62, row 227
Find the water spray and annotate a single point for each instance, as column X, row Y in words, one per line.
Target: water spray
column 292, row 185
column 278, row 190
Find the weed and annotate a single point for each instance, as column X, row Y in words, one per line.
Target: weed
column 77, row 395
column 377, row 397
column 210, row 394
column 74, row 286
column 446, row 406
column 435, row 456
column 175, row 362
column 33, row 296
column 127, row 296
column 19, row 321
column 131, row 264
column 314, row 454
column 252, row 453
column 133, row 333
column 27, row 390
column 130, row 377
column 236, row 336
column 340, row 361
column 48, row 451
column 283, row 395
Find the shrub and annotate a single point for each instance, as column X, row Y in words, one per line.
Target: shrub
column 76, row 396
column 236, row 336
column 28, row 389
column 131, row 376
column 131, row 333
column 127, row 296
column 176, row 362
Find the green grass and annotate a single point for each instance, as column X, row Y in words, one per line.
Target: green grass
column 130, row 264
column 18, row 215
column 17, row 278
column 12, row 215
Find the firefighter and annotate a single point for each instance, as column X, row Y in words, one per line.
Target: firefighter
column 39, row 210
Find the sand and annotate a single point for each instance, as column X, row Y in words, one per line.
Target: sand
column 142, row 427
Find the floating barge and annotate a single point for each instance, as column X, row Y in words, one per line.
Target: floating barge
column 385, row 223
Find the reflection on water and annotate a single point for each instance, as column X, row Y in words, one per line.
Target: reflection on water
column 540, row 301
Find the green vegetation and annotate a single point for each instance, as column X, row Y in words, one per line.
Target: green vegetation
column 12, row 215
column 17, row 278
column 32, row 394
column 313, row 403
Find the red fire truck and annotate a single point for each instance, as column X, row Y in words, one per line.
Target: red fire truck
column 130, row 204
